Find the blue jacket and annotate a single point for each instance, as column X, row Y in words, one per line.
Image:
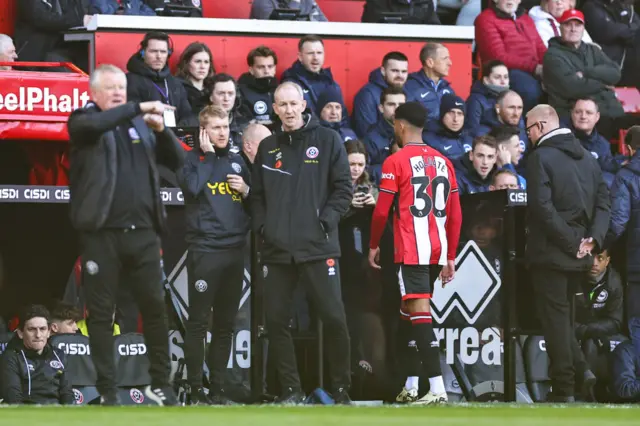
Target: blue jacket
column 522, row 182
column 378, row 144
column 469, row 181
column 489, row 120
column 600, row 148
column 313, row 85
column 479, row 101
column 365, row 104
column 451, row 145
column 625, row 372
column 345, row 132
column 625, row 214
column 131, row 7
column 422, row 89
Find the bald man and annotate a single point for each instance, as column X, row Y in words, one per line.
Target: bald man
column 251, row 138
column 302, row 187
column 568, row 218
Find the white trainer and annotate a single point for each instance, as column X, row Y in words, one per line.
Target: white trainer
column 432, row 399
column 407, row 396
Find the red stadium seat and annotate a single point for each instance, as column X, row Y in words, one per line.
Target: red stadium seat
column 629, row 97
column 342, row 10
column 236, row 9
column 622, row 148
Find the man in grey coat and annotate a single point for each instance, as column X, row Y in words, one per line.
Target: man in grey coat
column 262, row 9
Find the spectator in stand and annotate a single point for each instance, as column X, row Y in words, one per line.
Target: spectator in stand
column 414, row 11
column 504, row 179
column 474, row 172
column 509, row 150
column 330, row 111
column 39, row 27
column 257, row 86
column 485, row 92
column 32, row 371
column 546, row 18
column 263, row 9
column 625, row 373
column 379, row 138
column 468, row 10
column 251, row 138
column 584, row 117
column 7, row 51
column 149, row 79
column 449, row 137
column 194, row 67
column 616, row 28
column 429, row 85
column 575, row 70
column 224, row 93
column 625, row 218
column 366, row 104
column 506, row 32
column 64, row 318
column 354, row 234
column 307, row 72
column 121, row 7
column 507, row 112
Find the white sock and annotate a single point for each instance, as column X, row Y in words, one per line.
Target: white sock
column 412, row 382
column 436, row 385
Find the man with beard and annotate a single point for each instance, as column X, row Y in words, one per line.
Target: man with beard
column 392, row 73
column 475, row 171
column 257, row 85
column 149, row 79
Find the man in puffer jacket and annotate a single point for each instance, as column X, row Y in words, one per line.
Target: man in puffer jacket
column 449, row 137
column 262, row 9
column 625, row 373
column 625, row 217
column 485, row 92
column 474, row 172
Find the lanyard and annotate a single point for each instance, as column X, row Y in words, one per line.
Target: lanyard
column 165, row 93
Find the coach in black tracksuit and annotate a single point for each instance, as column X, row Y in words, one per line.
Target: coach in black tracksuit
column 217, row 229
column 117, row 210
column 301, row 189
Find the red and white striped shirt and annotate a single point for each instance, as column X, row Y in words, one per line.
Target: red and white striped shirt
column 427, row 219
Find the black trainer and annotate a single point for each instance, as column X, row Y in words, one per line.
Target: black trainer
column 218, row 397
column 588, row 382
column 341, row 397
column 110, row 399
column 161, row 395
column 291, row 397
column 198, row 396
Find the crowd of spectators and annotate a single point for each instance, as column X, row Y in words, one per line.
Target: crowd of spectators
column 526, row 57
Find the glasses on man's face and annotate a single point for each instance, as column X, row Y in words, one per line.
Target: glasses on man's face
column 537, row 123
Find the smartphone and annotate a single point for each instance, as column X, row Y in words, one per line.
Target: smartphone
column 363, row 189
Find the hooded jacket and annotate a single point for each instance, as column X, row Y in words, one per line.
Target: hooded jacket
column 625, row 372
column 366, row 102
column 452, row 145
column 217, row 216
column 600, row 148
column 599, row 308
column 301, row 189
column 513, row 40
column 198, row 99
column 481, row 100
column 313, row 84
column 345, row 132
column 469, row 181
column 257, row 95
column 625, row 214
column 548, row 26
column 565, row 86
column 144, row 84
column 378, row 144
column 422, row 89
column 32, row 378
column 568, row 200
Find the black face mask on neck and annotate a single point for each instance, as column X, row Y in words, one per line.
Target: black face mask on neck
column 222, row 152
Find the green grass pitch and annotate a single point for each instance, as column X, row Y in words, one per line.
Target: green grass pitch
column 467, row 415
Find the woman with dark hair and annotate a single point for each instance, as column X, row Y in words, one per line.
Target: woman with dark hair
column 354, row 229
column 194, row 67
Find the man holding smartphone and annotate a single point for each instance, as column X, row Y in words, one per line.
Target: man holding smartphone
column 214, row 182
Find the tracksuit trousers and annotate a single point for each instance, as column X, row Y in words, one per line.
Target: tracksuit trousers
column 131, row 257
column 321, row 281
column 215, row 281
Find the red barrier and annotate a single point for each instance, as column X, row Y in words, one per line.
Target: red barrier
column 351, row 60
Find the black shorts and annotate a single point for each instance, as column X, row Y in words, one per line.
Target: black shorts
column 416, row 281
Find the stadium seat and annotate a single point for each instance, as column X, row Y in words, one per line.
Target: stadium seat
column 537, row 368
column 79, row 366
column 451, row 384
column 622, row 147
column 629, row 97
column 132, row 361
column 237, row 9
column 342, row 10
